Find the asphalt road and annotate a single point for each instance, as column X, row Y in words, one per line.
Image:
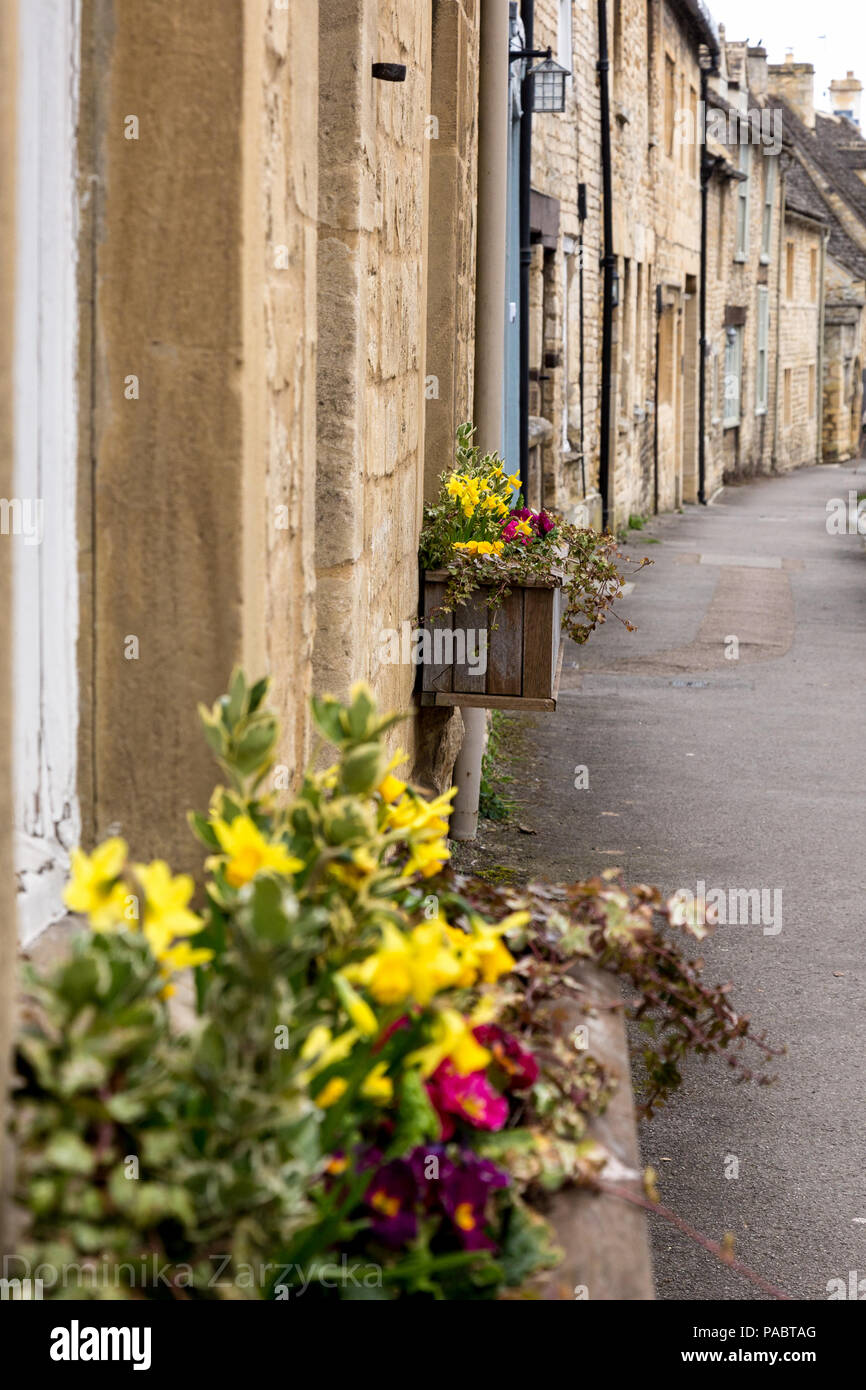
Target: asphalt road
column 742, row 765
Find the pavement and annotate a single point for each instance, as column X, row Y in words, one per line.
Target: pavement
column 740, row 764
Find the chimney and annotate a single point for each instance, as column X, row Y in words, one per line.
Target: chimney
column 756, row 71
column 845, row 96
column 795, row 84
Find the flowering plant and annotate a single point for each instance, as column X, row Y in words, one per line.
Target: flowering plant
column 481, row 533
column 325, row 1097
column 369, row 1078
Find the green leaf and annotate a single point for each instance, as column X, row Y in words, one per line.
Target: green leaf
column 81, row 1072
column 255, row 746
column 68, row 1152
column 417, row 1121
column 363, row 769
column 266, row 912
column 203, row 830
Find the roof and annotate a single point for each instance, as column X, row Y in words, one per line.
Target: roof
column 699, row 20
column 836, row 149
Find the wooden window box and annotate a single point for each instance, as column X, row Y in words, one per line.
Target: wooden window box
column 524, row 649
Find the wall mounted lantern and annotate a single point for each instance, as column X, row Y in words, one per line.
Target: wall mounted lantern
column 548, row 87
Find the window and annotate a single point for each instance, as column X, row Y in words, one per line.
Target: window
column 763, row 376
column 722, row 229
column 769, row 196
column 813, row 274
column 670, row 103
column 742, row 247
column 789, row 395
column 716, row 374
column 696, row 144
column 564, row 36
column 666, row 357
column 733, row 375
column 813, row 390
column 789, row 270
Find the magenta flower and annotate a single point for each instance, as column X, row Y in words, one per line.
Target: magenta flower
column 519, row 1065
column 469, row 1098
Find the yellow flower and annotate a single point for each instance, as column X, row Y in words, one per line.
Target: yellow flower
column 386, row 973
column 390, row 788
column 497, row 471
column 323, row 1051
column 471, row 547
column 453, row 1040
column 359, row 1011
column 93, row 888
column 454, row 486
column 332, row 1091
column 468, row 507
column 427, row 858
column 378, row 1086
column 523, row 529
column 514, row 480
column 183, row 956
column 166, row 910
column 249, row 853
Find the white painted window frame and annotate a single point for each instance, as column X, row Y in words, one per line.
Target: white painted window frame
column 731, row 407
column 769, row 200
column 762, row 365
column 45, row 719
column 743, row 204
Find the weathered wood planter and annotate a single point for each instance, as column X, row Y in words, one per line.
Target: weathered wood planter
column 523, row 651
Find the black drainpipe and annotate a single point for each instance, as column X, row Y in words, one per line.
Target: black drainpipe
column 659, row 310
column 581, row 212
column 706, row 167
column 527, row 15
column 609, row 264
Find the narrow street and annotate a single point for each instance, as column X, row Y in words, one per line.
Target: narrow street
column 745, row 773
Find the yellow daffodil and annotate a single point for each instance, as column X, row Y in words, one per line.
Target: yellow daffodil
column 93, row 888
column 452, row 1039
column 454, row 486
column 249, row 853
column 514, row 480
column 523, row 529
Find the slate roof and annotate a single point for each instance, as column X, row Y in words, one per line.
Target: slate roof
column 836, row 148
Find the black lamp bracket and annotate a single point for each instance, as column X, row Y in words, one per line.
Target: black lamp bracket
column 520, row 53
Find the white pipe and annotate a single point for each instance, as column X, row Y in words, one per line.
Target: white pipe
column 493, row 71
column 467, row 774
